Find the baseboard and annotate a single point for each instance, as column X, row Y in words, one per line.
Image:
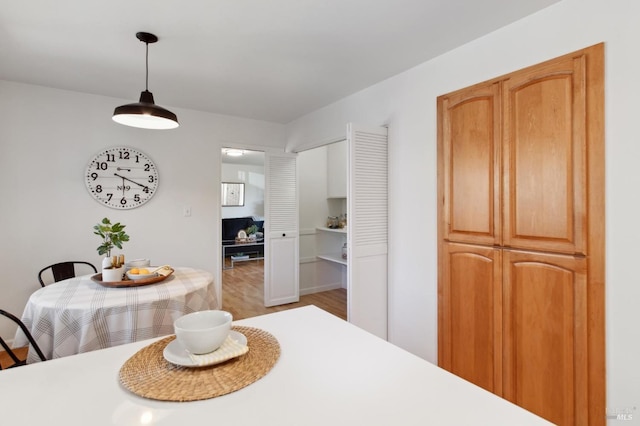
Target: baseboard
column 320, row 288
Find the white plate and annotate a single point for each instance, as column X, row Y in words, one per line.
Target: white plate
column 175, row 353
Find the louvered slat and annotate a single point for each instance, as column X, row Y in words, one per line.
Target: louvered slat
column 283, row 212
column 367, row 236
column 370, row 189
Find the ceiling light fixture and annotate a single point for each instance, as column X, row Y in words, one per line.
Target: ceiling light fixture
column 145, row 114
column 234, row 152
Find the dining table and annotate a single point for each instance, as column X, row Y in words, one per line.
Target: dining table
column 320, row 370
column 81, row 314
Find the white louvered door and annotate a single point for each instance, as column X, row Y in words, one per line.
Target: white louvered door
column 367, row 223
column 281, row 272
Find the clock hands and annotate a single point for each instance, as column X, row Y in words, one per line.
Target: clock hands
column 133, row 181
column 122, row 168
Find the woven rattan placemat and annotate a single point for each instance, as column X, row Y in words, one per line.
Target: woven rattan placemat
column 149, row 375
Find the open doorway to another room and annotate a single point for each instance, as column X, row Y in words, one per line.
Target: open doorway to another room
column 242, row 231
column 243, row 274
column 322, row 183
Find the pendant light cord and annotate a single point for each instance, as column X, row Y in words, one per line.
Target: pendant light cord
column 146, row 81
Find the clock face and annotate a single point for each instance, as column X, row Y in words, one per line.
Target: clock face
column 121, row 178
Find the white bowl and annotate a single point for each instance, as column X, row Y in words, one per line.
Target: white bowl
column 204, row 331
column 141, row 276
column 137, row 263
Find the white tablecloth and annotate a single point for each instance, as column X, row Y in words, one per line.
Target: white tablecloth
column 79, row 315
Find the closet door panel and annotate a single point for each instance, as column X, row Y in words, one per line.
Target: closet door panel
column 545, row 335
column 470, row 315
column 470, row 139
column 545, row 157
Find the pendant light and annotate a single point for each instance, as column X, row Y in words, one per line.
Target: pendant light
column 145, row 113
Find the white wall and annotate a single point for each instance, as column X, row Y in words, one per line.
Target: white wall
column 47, row 137
column 253, row 178
column 407, row 103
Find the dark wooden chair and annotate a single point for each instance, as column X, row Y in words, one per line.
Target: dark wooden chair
column 63, row 270
column 16, row 360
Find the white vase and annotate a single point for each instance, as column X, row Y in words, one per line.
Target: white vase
column 106, row 262
column 112, row 274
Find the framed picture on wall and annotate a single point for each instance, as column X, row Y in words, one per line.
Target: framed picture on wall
column 232, row 194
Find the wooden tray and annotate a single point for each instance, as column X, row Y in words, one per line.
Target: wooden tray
column 130, row 283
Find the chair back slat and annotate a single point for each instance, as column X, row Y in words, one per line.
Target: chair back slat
column 63, row 270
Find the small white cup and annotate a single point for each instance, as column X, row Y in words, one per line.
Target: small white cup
column 112, row 275
column 204, row 331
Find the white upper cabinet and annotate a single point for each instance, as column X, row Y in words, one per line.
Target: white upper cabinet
column 337, row 170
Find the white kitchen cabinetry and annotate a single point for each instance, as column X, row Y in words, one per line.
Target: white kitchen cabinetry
column 337, row 170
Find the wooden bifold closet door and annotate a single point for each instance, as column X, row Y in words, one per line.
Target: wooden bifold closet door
column 521, row 236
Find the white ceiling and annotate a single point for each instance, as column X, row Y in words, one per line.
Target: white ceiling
column 273, row 60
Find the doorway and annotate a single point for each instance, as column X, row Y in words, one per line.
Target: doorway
column 363, row 179
column 243, row 278
column 242, row 174
column 323, row 195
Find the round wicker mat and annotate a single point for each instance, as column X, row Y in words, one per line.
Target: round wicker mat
column 149, row 375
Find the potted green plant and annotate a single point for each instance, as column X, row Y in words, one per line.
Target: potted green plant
column 252, row 229
column 113, row 235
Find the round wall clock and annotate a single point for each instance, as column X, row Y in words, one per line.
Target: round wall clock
column 121, row 177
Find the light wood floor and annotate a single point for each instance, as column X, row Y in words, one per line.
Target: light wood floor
column 5, row 360
column 243, row 294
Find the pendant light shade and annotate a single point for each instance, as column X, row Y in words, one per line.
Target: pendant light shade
column 145, row 113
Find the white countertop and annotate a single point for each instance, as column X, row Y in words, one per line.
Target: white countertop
column 329, row 373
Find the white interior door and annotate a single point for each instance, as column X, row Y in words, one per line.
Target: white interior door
column 281, row 272
column 367, row 215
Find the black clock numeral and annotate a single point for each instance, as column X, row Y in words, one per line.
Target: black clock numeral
column 98, row 188
column 123, row 201
column 136, row 198
column 151, row 179
column 101, row 165
column 111, row 157
column 145, row 189
column 147, row 167
column 137, row 158
column 124, row 155
column 109, row 196
column 94, row 176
